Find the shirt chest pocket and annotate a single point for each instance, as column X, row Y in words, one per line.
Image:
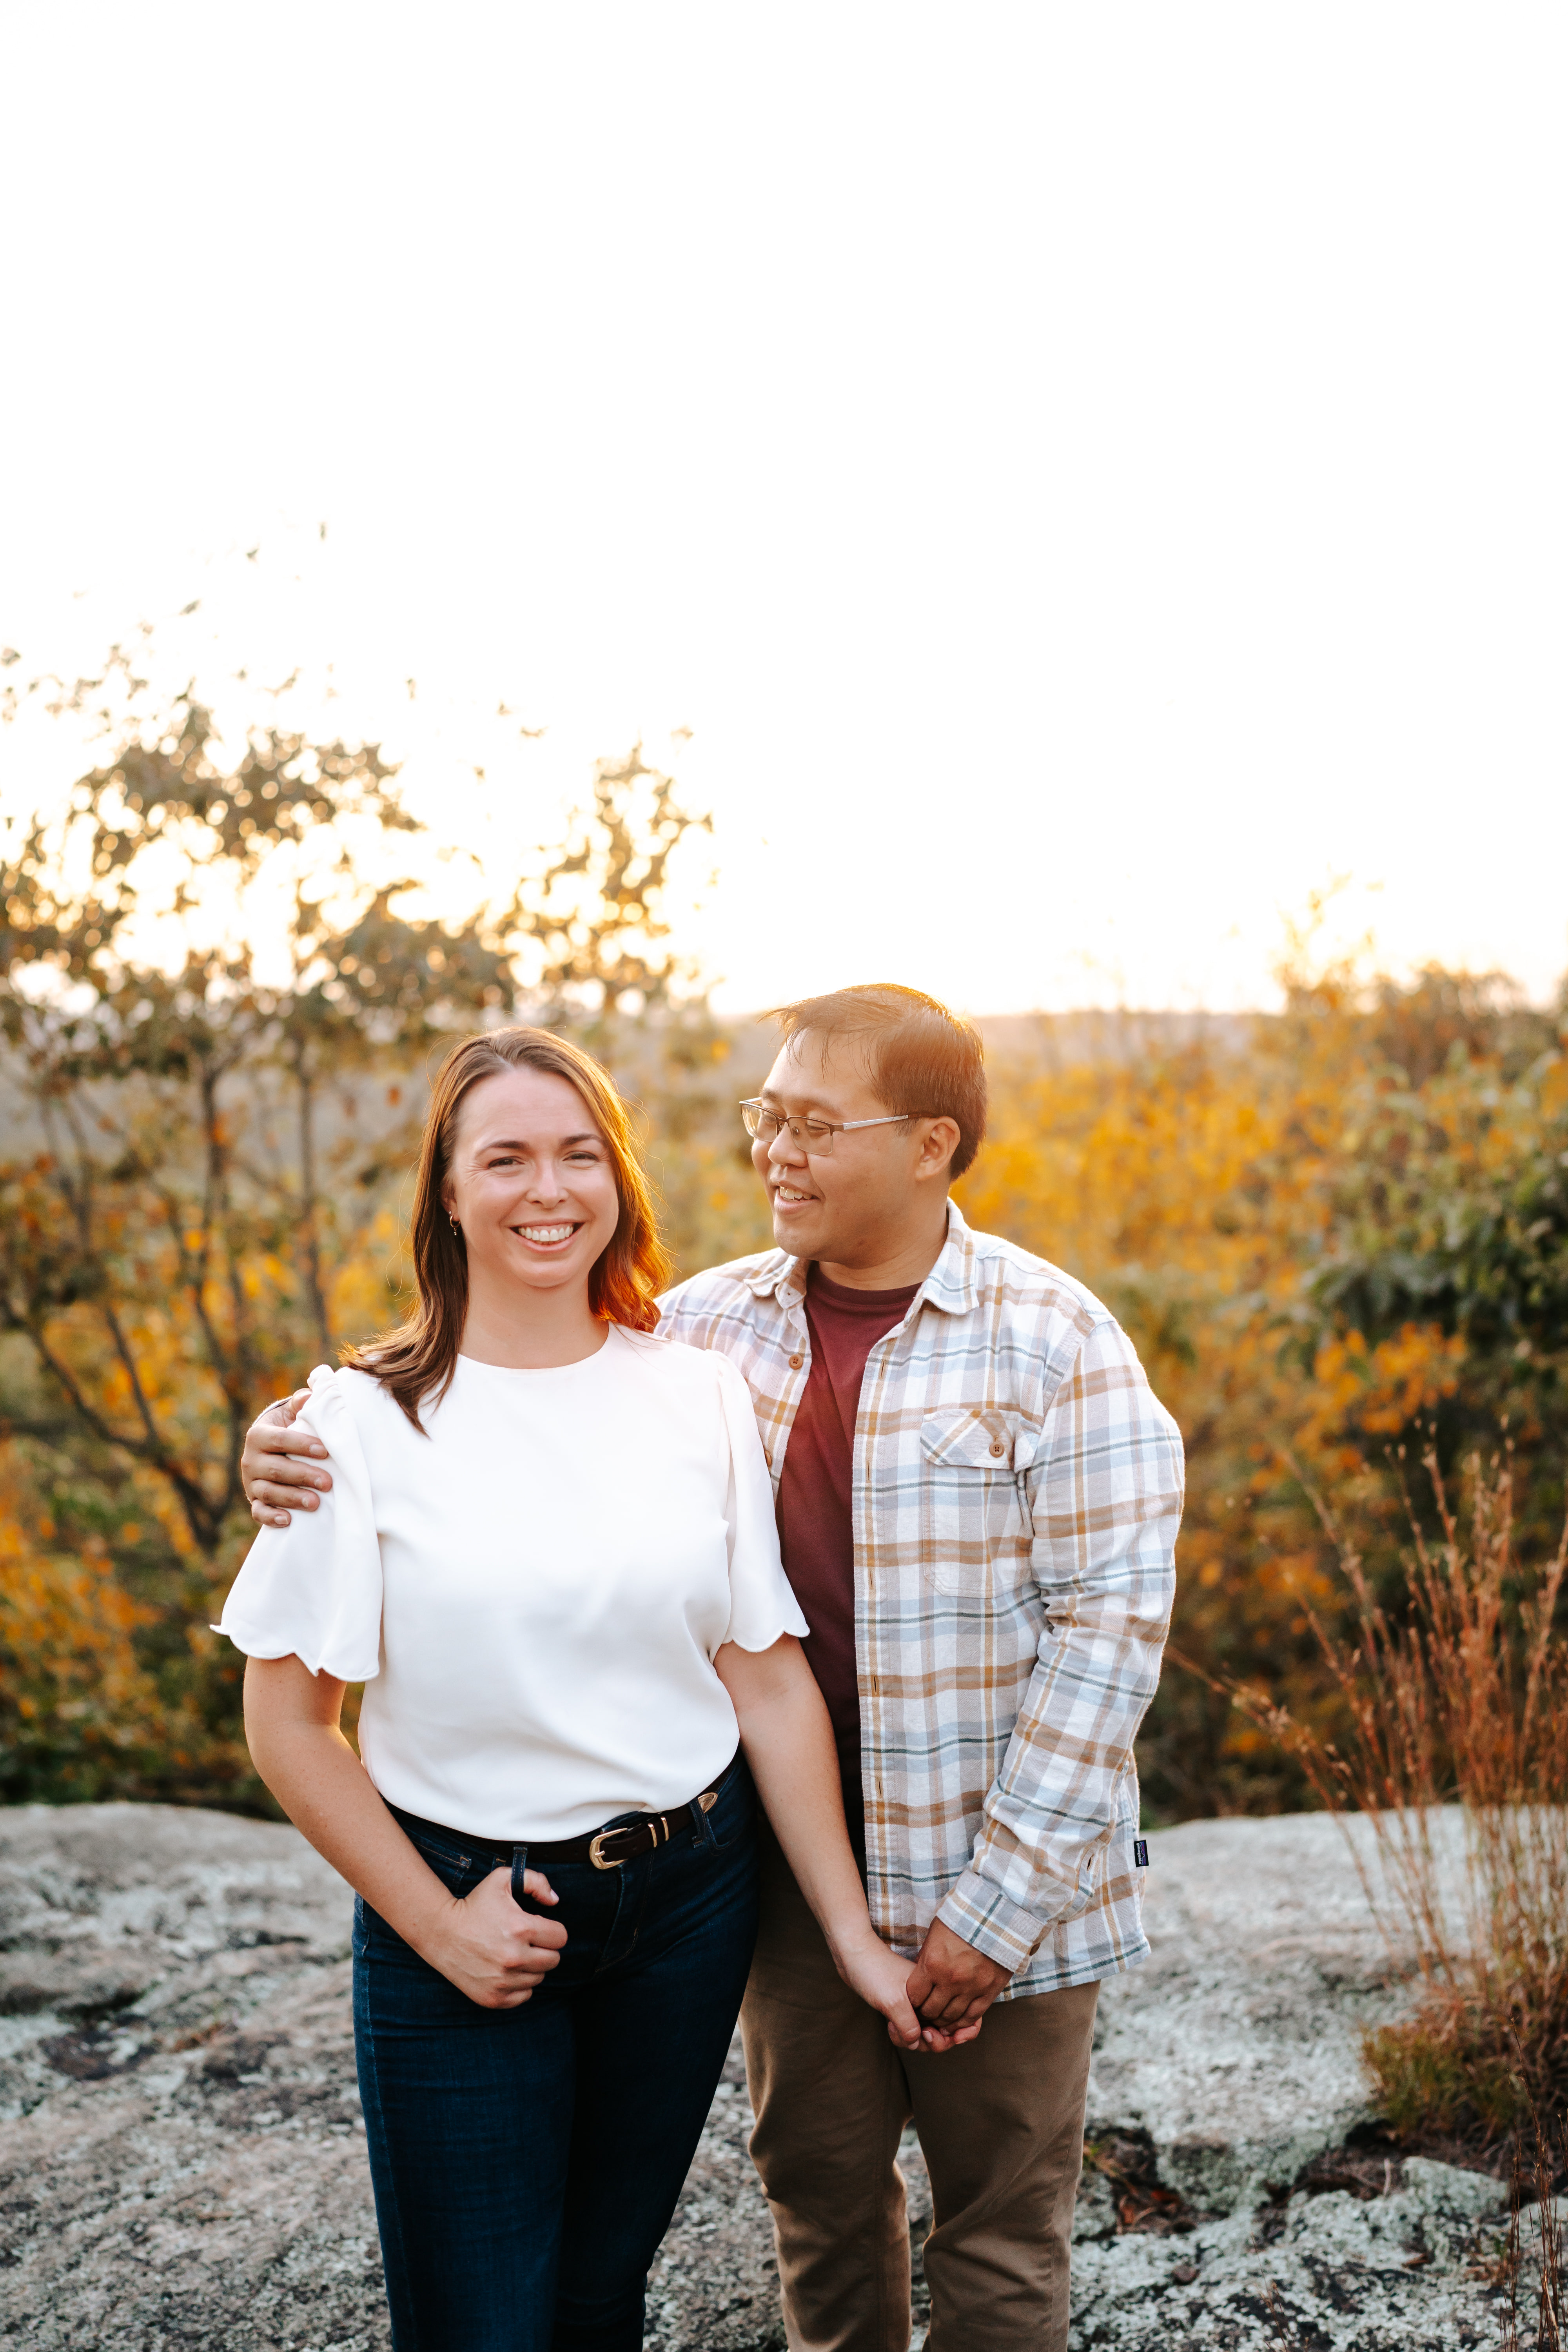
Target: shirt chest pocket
column 974, row 1526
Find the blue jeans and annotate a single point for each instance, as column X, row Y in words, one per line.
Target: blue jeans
column 526, row 2161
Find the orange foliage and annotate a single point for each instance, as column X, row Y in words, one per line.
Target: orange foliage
column 75, row 1690
column 1205, row 1194
column 1201, row 1196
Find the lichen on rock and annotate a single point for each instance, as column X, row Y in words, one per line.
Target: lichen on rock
column 182, row 2159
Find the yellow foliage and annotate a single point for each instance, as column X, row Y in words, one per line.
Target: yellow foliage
column 1198, row 1196
column 1384, row 1388
column 66, row 1626
column 1201, row 1196
column 370, row 1288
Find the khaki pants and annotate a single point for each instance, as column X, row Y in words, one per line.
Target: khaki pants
column 1000, row 2123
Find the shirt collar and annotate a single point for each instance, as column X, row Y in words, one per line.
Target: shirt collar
column 951, row 1284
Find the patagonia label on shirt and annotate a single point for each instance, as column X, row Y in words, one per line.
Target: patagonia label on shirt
column 1140, row 1854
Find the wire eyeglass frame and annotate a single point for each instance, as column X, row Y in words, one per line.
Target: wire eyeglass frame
column 814, row 1136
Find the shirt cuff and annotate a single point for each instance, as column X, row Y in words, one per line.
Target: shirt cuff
column 976, row 1910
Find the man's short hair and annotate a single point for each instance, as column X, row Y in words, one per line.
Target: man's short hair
column 920, row 1057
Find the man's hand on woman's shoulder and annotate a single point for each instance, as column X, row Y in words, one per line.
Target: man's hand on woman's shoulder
column 281, row 1466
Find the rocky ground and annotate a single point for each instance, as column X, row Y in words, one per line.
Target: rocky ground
column 182, row 2157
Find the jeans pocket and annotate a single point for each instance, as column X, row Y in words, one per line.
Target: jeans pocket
column 459, row 1868
column 734, row 1816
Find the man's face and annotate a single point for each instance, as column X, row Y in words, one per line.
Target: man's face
column 853, row 1207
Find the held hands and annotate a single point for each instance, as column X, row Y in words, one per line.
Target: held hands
column 882, row 1979
column 937, row 2005
column 491, row 1950
column 281, row 1467
column 877, row 1975
column 952, row 1986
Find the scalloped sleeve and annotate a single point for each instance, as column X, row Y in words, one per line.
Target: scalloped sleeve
column 313, row 1589
column 761, row 1602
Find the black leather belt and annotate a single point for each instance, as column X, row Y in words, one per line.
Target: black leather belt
column 608, row 1849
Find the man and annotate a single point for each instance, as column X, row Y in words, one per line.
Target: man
column 978, row 1497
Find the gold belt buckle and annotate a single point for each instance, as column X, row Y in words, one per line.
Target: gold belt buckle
column 656, row 1822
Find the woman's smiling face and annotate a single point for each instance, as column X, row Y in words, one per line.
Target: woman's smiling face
column 530, row 1181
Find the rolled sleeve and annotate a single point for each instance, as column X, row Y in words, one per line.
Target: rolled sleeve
column 1105, row 1492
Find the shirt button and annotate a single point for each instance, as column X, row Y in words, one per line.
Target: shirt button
column 795, row 1363
column 996, row 1447
column 767, row 1457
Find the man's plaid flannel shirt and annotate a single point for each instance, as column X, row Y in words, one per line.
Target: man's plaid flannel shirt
column 1017, row 1492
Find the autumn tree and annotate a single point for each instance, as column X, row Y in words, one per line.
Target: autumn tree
column 1336, row 1241
column 220, row 1000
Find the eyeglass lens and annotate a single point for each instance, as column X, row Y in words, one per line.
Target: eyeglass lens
column 804, row 1132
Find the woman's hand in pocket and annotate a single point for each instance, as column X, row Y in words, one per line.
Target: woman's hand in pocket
column 491, row 1950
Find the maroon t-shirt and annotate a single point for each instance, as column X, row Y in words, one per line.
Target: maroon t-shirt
column 815, row 1509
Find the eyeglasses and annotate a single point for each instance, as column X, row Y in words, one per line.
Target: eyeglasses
column 810, row 1135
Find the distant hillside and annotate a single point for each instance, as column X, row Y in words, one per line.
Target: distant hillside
column 379, row 1103
column 1049, row 1041
column 1061, row 1041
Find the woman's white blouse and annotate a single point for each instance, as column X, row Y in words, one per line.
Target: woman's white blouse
column 533, row 1592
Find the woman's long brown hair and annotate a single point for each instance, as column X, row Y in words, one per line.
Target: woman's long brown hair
column 419, row 1358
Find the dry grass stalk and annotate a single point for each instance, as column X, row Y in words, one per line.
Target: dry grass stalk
column 1463, row 1697
column 1538, row 2163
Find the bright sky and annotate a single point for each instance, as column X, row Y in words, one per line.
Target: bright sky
column 1087, row 475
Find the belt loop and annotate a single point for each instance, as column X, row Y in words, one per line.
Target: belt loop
column 702, row 1806
column 518, row 1865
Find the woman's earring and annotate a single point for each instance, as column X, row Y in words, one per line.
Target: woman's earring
column 452, row 1221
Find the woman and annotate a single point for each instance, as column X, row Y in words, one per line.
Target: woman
column 549, row 1551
